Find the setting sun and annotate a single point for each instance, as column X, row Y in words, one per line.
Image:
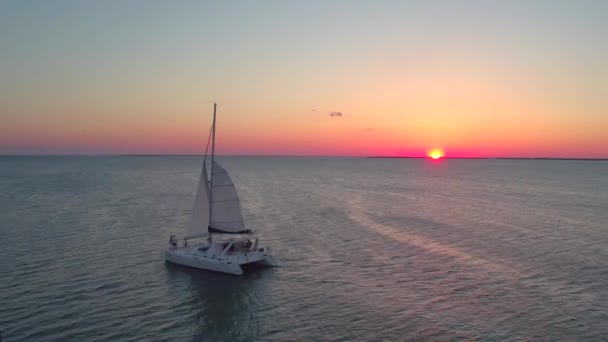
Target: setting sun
column 436, row 154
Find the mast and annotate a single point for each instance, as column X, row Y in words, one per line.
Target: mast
column 212, row 158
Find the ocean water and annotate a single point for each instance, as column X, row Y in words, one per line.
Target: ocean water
column 369, row 249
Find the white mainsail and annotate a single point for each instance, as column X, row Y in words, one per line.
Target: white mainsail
column 199, row 221
column 226, row 215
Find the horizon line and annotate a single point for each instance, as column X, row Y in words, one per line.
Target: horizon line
column 279, row 155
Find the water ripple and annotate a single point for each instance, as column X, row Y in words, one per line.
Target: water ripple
column 369, row 249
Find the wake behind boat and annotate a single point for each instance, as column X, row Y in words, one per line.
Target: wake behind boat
column 217, row 216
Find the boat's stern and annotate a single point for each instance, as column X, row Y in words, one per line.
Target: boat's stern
column 261, row 257
column 268, row 261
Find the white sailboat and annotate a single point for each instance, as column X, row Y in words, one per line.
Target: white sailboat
column 217, row 215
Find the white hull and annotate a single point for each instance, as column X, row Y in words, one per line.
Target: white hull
column 213, row 259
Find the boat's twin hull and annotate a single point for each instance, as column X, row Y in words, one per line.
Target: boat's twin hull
column 230, row 264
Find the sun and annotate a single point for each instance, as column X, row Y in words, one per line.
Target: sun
column 436, row 153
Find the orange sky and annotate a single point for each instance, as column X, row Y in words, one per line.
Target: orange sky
column 474, row 79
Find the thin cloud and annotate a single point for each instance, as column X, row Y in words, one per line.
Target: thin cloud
column 335, row 114
column 368, row 130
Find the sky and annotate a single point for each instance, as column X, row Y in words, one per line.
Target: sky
column 342, row 78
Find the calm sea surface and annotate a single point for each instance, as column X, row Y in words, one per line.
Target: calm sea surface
column 369, row 249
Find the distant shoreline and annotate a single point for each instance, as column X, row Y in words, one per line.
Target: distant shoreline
column 293, row 156
column 502, row 158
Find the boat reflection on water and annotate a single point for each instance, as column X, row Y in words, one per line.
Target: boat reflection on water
column 223, row 307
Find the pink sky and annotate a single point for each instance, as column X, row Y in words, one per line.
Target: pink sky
column 476, row 79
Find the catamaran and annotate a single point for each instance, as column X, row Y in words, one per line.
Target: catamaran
column 217, row 216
